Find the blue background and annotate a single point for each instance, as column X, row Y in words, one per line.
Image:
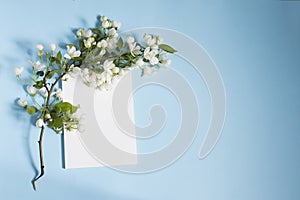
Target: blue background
column 256, row 46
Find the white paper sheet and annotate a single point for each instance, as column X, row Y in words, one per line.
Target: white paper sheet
column 102, row 143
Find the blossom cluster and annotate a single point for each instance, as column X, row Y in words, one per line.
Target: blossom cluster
column 99, row 56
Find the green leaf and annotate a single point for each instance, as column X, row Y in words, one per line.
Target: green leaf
column 63, row 106
column 54, row 113
column 39, row 84
column 51, row 73
column 120, row 44
column 57, row 123
column 74, row 109
column 52, row 59
column 59, row 55
column 96, row 30
column 40, row 73
column 58, row 58
column 31, row 110
column 167, row 48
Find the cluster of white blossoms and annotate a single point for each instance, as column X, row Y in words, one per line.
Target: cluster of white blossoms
column 100, row 58
column 104, row 80
column 106, row 72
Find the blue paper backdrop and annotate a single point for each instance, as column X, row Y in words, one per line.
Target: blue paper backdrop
column 256, row 46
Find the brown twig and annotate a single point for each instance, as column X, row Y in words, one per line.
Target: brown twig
column 42, row 172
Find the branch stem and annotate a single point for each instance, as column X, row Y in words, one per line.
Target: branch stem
column 42, row 171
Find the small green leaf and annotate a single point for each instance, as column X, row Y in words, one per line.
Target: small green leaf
column 51, row 59
column 54, row 113
column 51, row 73
column 31, row 110
column 40, row 73
column 167, row 48
column 59, row 55
column 57, row 123
column 58, row 58
column 96, row 30
column 63, row 106
column 120, row 44
column 39, row 84
column 74, row 109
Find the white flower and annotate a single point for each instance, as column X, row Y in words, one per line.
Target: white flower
column 159, row 40
column 22, row 102
column 72, row 53
column 115, row 70
column 47, row 116
column 102, row 52
column 163, row 60
column 147, row 70
column 88, row 33
column 40, row 47
column 37, row 65
column 89, row 42
column 108, row 65
column 102, row 44
column 43, row 92
column 139, row 62
column 112, row 32
column 130, row 39
column 65, row 77
column 154, row 47
column 79, row 32
column 105, row 24
column 116, row 24
column 31, row 90
column 134, row 49
column 162, row 57
column 18, row 71
column 111, row 44
column 59, row 94
column 165, row 63
column 154, row 61
column 149, row 40
column 85, row 71
column 151, row 56
column 40, row 123
column 53, row 47
column 103, row 18
column 74, row 71
column 147, row 53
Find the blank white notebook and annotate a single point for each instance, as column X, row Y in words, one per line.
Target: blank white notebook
column 103, row 142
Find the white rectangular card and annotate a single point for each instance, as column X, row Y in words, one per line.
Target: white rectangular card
column 101, row 134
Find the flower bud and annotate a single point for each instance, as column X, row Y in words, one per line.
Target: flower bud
column 22, row 103
column 53, row 47
column 18, row 71
column 31, row 90
column 79, row 32
column 40, row 47
column 103, row 18
column 40, row 123
column 47, row 116
column 115, row 70
column 130, row 39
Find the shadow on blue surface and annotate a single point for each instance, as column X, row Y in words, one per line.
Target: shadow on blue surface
column 20, row 115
